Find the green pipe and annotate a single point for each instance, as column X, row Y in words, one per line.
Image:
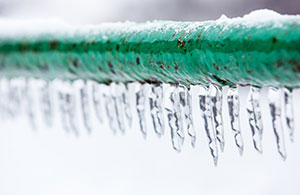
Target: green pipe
column 225, row 52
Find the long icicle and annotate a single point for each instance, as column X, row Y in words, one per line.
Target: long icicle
column 205, row 107
column 155, row 101
column 140, row 108
column 185, row 101
column 275, row 109
column 234, row 114
column 255, row 120
column 289, row 113
column 216, row 104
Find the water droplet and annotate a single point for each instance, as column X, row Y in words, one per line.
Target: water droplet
column 97, row 101
column 216, row 103
column 255, row 120
column 289, row 113
column 140, row 107
column 185, row 101
column 85, row 107
column 205, row 107
column 234, row 112
column 275, row 109
column 155, row 101
column 46, row 104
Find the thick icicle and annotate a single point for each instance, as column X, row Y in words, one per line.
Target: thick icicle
column 234, row 112
column 46, row 104
column 255, row 120
column 216, row 103
column 289, row 113
column 174, row 119
column 205, row 107
column 155, row 101
column 140, row 108
column 97, row 101
column 275, row 108
column 110, row 109
column 185, row 101
column 71, row 111
column 85, row 107
column 63, row 110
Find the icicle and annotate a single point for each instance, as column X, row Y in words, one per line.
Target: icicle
column 275, row 108
column 110, row 109
column 140, row 108
column 127, row 108
column 174, row 119
column 29, row 104
column 255, row 120
column 71, row 111
column 185, row 101
column 97, row 101
column 85, row 107
column 289, row 113
column 46, row 104
column 155, row 100
column 216, row 103
column 234, row 112
column 118, row 102
column 205, row 107
column 63, row 110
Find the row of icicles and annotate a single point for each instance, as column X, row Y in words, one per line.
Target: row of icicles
column 114, row 99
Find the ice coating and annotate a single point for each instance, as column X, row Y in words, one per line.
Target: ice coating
column 185, row 102
column 205, row 107
column 156, row 110
column 275, row 109
column 234, row 115
column 254, row 115
column 216, row 97
column 289, row 113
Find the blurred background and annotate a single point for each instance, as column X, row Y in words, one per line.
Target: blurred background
column 95, row 11
column 53, row 162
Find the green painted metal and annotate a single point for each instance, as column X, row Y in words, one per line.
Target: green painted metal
column 226, row 53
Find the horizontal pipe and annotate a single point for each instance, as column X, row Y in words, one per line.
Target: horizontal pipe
column 240, row 51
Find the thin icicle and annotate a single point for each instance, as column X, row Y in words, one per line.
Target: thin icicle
column 140, row 108
column 97, row 101
column 71, row 112
column 205, row 107
column 275, row 108
column 126, row 104
column 29, row 104
column 155, row 101
column 255, row 120
column 216, row 103
column 234, row 112
column 119, row 106
column 289, row 113
column 46, row 104
column 85, row 107
column 185, row 101
column 63, row 110
column 173, row 111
